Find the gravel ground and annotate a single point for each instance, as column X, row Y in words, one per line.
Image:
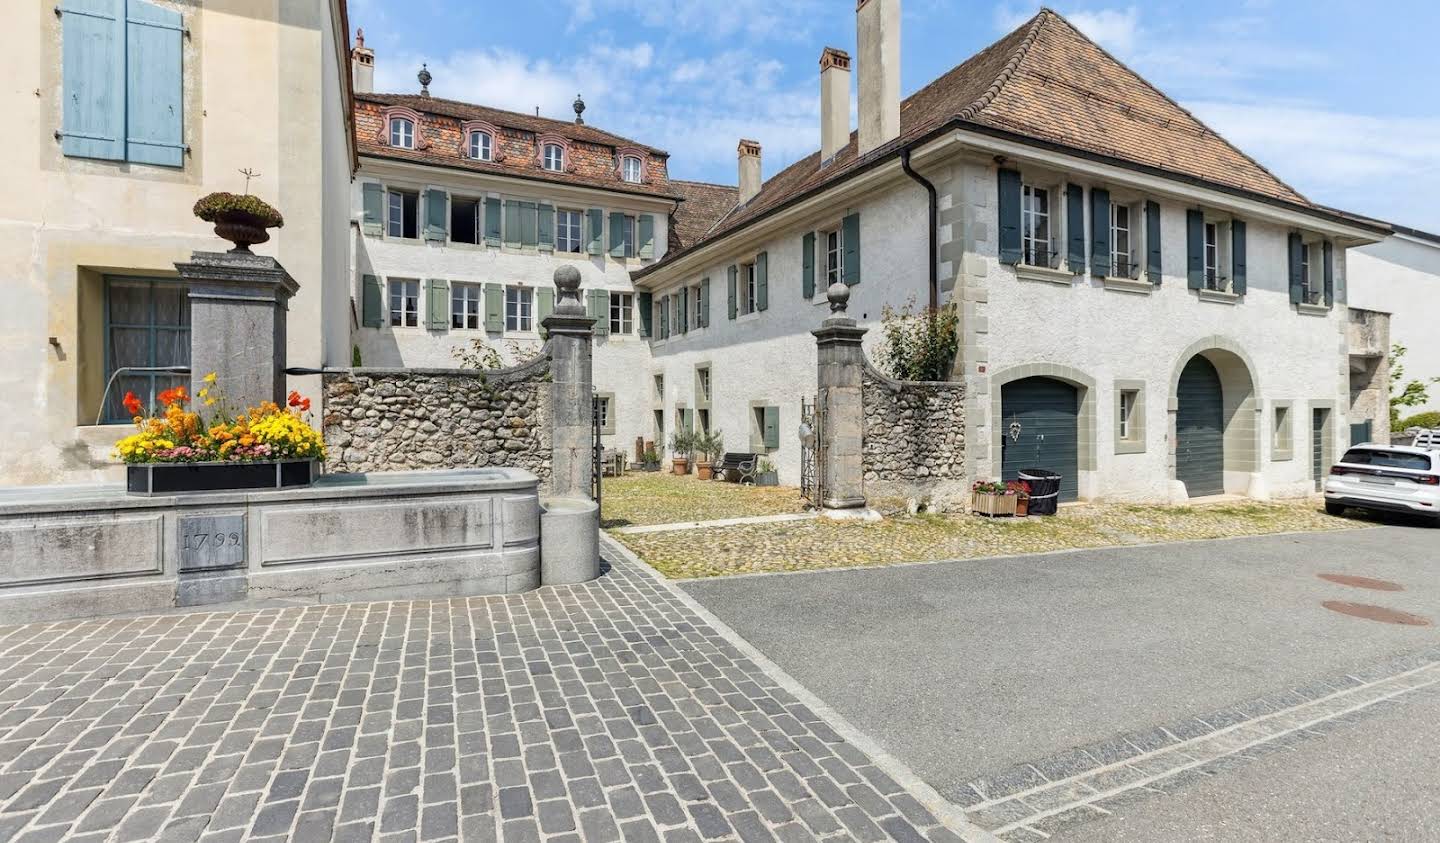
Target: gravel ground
column 810, row 545
column 660, row 498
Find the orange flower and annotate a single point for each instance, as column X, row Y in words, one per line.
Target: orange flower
column 174, row 395
column 294, row 398
column 132, row 404
column 304, row 405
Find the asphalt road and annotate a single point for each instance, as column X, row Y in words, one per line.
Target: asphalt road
column 965, row 668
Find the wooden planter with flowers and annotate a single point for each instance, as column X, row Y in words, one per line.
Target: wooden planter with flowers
column 176, row 450
column 995, row 499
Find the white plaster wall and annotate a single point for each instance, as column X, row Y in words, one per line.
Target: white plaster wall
column 1401, row 276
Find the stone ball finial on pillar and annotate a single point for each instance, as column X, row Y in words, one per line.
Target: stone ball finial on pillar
column 839, row 296
column 567, row 290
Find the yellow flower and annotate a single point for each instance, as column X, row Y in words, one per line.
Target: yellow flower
column 210, row 378
column 209, row 402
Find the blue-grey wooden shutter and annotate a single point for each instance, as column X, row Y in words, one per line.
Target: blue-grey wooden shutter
column 1195, row 249
column 600, row 311
column 512, row 223
column 1297, row 281
column 664, row 317
column 93, row 40
column 436, row 224
column 762, row 281
column 437, row 304
column 1153, row 266
column 492, row 221
column 547, row 227
column 682, row 313
column 731, row 274
column 850, row 233
column 595, row 236
column 807, row 265
column 1099, row 231
column 494, row 308
column 1328, row 249
column 645, row 302
column 1237, row 258
column 772, row 427
column 544, row 306
column 372, row 302
column 1009, row 210
column 617, row 234
column 646, row 225
column 1075, row 228
column 373, row 196
column 154, row 130
column 529, row 230
column 704, row 312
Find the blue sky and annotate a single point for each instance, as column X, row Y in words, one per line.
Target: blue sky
column 1340, row 99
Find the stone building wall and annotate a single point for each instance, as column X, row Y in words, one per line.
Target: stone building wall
column 402, row 419
column 914, row 438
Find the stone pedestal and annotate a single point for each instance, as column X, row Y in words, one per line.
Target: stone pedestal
column 238, row 304
column 840, row 372
column 571, row 392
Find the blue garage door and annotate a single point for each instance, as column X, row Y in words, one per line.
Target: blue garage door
column 1039, row 429
column 1200, row 430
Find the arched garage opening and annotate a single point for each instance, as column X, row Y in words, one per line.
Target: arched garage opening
column 1043, row 416
column 1214, row 433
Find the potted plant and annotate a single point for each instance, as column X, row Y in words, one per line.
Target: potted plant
column 1021, row 490
column 240, row 219
column 992, row 498
column 708, row 445
column 682, row 445
column 765, row 473
column 175, row 449
column 649, row 459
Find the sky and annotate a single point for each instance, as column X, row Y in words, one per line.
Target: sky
column 1340, row 99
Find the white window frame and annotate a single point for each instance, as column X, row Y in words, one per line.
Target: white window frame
column 467, row 306
column 1128, row 398
column 702, row 380
column 694, row 319
column 627, row 234
column 558, row 160
column 519, row 309
column 404, row 302
column 832, row 255
column 485, row 152
column 1029, row 229
column 395, row 213
column 602, row 410
column 625, row 164
column 1311, row 268
column 748, row 287
column 659, row 385
column 564, row 217
column 1122, row 259
column 622, row 313
column 1210, row 249
column 402, row 132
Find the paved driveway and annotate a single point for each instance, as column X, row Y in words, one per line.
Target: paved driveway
column 965, row 670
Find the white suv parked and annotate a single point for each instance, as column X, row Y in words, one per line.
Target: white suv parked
column 1392, row 478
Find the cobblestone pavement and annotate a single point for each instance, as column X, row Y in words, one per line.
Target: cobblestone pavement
column 599, row 712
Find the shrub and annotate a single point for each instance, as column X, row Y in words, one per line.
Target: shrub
column 1430, row 419
column 215, row 205
column 919, row 345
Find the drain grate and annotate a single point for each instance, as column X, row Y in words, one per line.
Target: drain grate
column 1362, row 582
column 1375, row 613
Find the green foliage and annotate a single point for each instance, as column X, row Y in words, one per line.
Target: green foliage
column 1429, row 419
column 212, row 207
column 919, row 344
column 708, row 442
column 355, row 356
column 1412, row 394
column 479, row 354
column 682, row 442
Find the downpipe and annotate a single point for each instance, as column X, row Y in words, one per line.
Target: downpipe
column 934, row 268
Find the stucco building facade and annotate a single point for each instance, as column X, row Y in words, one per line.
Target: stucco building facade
column 1400, row 276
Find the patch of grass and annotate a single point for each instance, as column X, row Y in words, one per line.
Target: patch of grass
column 643, row 498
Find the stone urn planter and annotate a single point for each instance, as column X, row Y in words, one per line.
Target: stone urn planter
column 242, row 220
column 182, row 478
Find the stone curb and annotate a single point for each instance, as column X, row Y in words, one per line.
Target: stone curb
column 720, row 522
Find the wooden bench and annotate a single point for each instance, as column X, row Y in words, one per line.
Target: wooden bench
column 741, row 466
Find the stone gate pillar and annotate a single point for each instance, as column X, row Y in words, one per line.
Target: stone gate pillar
column 238, row 304
column 571, row 410
column 839, row 377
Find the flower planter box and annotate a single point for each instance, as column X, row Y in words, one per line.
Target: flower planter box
column 174, row 478
column 992, row 505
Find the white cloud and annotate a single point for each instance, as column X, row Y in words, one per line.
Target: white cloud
column 1116, row 30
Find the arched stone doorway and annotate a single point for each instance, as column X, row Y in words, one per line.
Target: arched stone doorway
column 1214, row 422
column 1058, row 403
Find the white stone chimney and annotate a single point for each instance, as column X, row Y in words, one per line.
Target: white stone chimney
column 834, row 102
column 749, row 161
column 877, row 26
column 362, row 65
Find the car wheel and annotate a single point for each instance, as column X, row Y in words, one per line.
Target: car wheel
column 1336, row 509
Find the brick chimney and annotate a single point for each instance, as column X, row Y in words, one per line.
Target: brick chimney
column 749, row 161
column 362, row 65
column 877, row 25
column 834, row 102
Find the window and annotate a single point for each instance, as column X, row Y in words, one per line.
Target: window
column 1313, row 290
column 659, row 387
column 748, row 290
column 404, row 303
column 1280, row 438
column 627, row 235
column 703, row 417
column 1035, row 225
column 604, row 404
column 465, row 218
column 622, row 306
column 1127, row 413
column 567, row 231
column 466, row 308
column 402, row 215
column 147, row 324
column 660, row 427
column 519, row 309
column 630, row 169
column 1387, row 459
column 697, row 316
column 481, row 146
column 764, row 428
column 402, row 132
column 1129, row 417
column 702, row 382
column 1121, row 239
column 1213, row 281
column 554, row 157
column 834, row 257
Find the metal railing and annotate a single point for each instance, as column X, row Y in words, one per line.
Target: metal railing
column 181, row 370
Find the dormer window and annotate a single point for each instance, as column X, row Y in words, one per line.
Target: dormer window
column 553, row 157
column 481, row 146
column 402, row 132
column 630, row 169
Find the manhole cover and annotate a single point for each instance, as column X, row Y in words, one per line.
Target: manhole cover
column 1375, row 613
column 1362, row 582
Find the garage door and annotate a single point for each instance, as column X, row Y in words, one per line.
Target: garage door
column 1200, row 430
column 1039, row 429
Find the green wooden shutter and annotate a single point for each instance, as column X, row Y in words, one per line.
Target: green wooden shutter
column 683, row 312
column 807, row 265
column 529, row 227
column 732, row 274
column 704, row 311
column 1237, row 257
column 1009, row 210
column 512, row 223
column 1195, row 249
column 374, row 205
column 644, row 303
column 664, row 317
column 595, row 235
column 1328, row 250
column 1075, row 228
column 1153, row 265
column 372, row 302
column 1297, row 282
column 600, row 311
column 546, row 213
column 1099, row 231
column 153, row 89
column 762, row 281
column 492, row 221
column 494, row 308
column 544, row 306
column 772, row 427
column 617, row 234
column 92, row 35
column 646, row 225
column 437, row 304
column 436, row 225
column 850, row 233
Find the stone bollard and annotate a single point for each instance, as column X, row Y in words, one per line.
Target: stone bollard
column 571, row 407
column 569, row 541
column 839, row 376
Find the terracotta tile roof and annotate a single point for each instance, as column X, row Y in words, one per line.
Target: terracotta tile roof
column 1048, row 82
column 702, row 206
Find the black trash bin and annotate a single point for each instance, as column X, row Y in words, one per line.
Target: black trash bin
column 1044, row 490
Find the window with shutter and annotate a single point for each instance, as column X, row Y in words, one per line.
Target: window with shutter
column 492, row 221
column 546, row 214
column 1153, row 265
column 646, row 236
column 617, row 234
column 807, row 265
column 153, row 85
column 1238, row 283
column 1011, row 248
column 850, row 269
column 595, row 231
column 435, row 212
column 512, row 223
column 704, row 311
column 1099, row 232
column 372, row 297
column 494, row 308
column 1195, row 249
column 544, row 305
column 762, row 281
column 1328, row 268
column 437, row 304
column 731, row 283
column 373, row 204
column 1075, row 228
column 645, row 303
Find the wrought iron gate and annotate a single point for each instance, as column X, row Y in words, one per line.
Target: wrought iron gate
column 812, row 452
column 597, row 451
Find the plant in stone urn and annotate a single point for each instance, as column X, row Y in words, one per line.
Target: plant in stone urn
column 240, row 219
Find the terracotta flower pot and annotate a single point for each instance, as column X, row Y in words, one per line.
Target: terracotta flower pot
column 680, row 465
column 704, row 470
column 242, row 228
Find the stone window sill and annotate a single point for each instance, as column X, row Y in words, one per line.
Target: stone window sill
column 1129, row 446
column 1312, row 309
column 1128, row 285
column 1218, row 296
column 1063, row 277
column 1279, row 455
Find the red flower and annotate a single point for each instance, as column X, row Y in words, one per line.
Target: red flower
column 132, row 404
column 294, row 398
column 174, row 395
column 305, row 405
